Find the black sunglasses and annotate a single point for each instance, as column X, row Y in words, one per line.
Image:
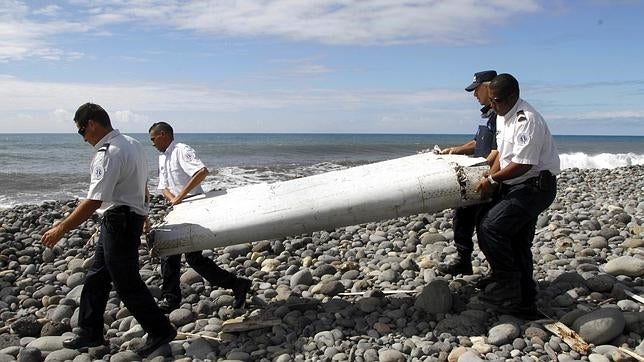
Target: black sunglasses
column 81, row 129
column 496, row 100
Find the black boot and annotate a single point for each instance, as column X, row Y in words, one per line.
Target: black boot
column 84, row 340
column 485, row 281
column 462, row 264
column 240, row 289
column 169, row 303
column 504, row 291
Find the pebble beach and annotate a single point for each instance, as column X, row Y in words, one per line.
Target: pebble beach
column 368, row 292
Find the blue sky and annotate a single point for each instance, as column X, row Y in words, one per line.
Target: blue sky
column 359, row 66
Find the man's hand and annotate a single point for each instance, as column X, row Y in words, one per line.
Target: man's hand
column 52, row 236
column 176, row 200
column 81, row 213
column 448, row 151
column 485, row 188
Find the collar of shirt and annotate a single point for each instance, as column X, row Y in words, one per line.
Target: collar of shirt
column 486, row 112
column 168, row 151
column 511, row 113
column 109, row 136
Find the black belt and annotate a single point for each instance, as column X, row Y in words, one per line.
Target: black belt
column 122, row 210
column 545, row 181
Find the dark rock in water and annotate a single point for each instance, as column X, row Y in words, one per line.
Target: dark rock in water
column 26, row 327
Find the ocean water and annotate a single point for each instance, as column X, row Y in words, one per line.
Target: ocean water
column 39, row 167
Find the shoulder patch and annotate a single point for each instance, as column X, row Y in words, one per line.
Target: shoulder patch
column 98, row 172
column 521, row 116
column 189, row 156
column 523, row 139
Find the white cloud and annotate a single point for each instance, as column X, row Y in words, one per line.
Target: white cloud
column 23, row 32
column 376, row 22
column 21, row 37
column 602, row 116
column 61, row 116
column 129, row 117
column 133, row 104
column 49, row 10
column 17, row 94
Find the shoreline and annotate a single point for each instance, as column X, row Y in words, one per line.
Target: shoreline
column 588, row 252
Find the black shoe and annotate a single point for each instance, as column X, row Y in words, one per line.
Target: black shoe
column 526, row 312
column 167, row 305
column 154, row 342
column 502, row 293
column 462, row 264
column 240, row 289
column 83, row 341
column 485, row 281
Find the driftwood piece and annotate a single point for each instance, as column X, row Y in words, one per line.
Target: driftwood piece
column 183, row 334
column 569, row 336
column 631, row 353
column 240, row 324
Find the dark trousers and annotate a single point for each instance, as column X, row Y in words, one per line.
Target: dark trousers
column 116, row 261
column 505, row 231
column 171, row 272
column 464, row 222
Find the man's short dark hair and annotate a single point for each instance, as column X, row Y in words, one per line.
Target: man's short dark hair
column 162, row 126
column 505, row 85
column 94, row 112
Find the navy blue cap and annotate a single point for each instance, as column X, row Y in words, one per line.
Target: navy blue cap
column 480, row 77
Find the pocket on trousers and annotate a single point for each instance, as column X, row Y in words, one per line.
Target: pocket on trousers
column 115, row 222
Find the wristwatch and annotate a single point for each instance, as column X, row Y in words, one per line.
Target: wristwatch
column 491, row 180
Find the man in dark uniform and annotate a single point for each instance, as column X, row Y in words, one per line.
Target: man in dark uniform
column 480, row 146
column 117, row 190
column 525, row 173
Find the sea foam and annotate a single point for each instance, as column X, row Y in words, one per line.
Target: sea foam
column 602, row 160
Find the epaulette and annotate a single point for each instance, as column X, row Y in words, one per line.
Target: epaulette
column 521, row 116
column 104, row 147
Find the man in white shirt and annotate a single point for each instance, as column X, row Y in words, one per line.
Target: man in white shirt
column 525, row 175
column 117, row 190
column 180, row 175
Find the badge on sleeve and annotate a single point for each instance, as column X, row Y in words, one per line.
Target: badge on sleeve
column 98, row 172
column 190, row 156
column 98, row 169
column 523, row 139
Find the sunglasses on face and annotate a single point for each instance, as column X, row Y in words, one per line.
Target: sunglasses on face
column 496, row 100
column 81, row 130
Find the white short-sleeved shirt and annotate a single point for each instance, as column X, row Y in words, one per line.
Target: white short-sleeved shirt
column 523, row 137
column 119, row 173
column 177, row 165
